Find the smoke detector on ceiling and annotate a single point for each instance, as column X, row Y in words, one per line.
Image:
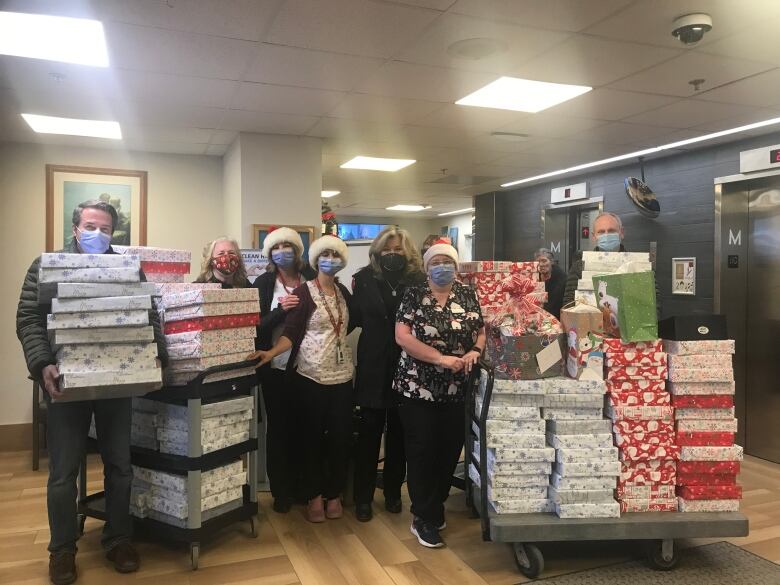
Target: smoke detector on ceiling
column 690, row 28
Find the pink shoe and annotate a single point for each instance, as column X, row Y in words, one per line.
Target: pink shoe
column 334, row 510
column 315, row 511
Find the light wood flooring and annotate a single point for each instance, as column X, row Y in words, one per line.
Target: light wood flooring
column 290, row 550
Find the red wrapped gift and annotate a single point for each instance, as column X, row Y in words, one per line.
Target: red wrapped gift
column 639, row 399
column 627, row 427
column 704, row 439
column 706, row 478
column 710, row 492
column 637, row 373
column 629, row 358
column 645, row 492
column 150, row 267
column 648, row 472
column 648, row 451
column 636, row 386
column 623, row 440
column 208, row 323
column 615, row 344
column 648, row 505
column 664, row 413
column 709, row 467
column 703, row 401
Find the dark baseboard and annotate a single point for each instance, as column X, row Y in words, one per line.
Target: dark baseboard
column 16, row 437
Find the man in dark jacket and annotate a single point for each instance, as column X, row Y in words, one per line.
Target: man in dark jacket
column 68, row 422
column 608, row 236
column 554, row 279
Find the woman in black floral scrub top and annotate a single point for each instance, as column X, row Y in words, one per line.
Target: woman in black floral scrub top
column 440, row 330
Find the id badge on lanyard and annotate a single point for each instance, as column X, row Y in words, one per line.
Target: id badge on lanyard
column 339, row 353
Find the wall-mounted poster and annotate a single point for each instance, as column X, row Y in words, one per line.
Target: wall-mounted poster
column 683, row 276
column 260, row 231
column 254, row 262
column 453, row 235
column 67, row 186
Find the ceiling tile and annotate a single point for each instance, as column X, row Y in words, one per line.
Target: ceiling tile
column 432, row 4
column 178, row 89
column 284, row 99
column 569, row 15
column 756, row 115
column 355, row 27
column 620, row 133
column 759, row 91
column 244, row 121
column 223, row 137
column 689, row 113
column 610, row 104
column 672, row 77
column 758, row 43
column 470, row 118
column 548, row 125
column 136, row 133
column 216, row 149
column 356, row 131
column 161, row 114
column 165, row 147
column 360, row 106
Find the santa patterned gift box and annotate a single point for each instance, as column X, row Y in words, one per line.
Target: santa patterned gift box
column 649, row 452
column 603, row 482
column 704, row 413
column 639, row 399
column 603, row 440
column 732, row 453
column 96, row 275
column 63, row 260
column 628, row 358
column 201, row 296
column 617, row 345
column 590, row 468
column 97, row 320
column 707, row 426
column 129, row 303
column 640, row 412
column 655, row 471
column 625, row 440
column 699, row 479
column 713, row 467
column 570, row 386
column 199, row 350
column 701, row 388
column 568, row 455
column 637, row 373
column 720, row 346
column 645, row 427
column 579, row 427
column 212, row 310
column 588, row 510
column 701, row 374
column 209, row 323
column 559, row 496
column 648, row 505
column 701, row 360
column 205, row 338
column 708, row 505
column 85, row 290
column 636, row 386
column 645, row 492
column 703, row 401
column 572, row 413
column 152, row 254
column 703, row 439
column 573, row 401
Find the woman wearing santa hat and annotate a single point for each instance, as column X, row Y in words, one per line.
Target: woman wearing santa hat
column 320, row 367
column 440, row 330
column 285, row 272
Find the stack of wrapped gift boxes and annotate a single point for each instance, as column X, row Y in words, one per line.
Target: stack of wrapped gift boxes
column 518, row 459
column 701, row 382
column 485, row 277
column 160, row 264
column 99, row 325
column 206, row 328
column 643, row 424
column 599, row 263
column 163, row 496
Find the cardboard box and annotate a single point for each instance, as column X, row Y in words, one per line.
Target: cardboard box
column 64, row 260
column 176, row 365
column 590, row 401
column 634, row 439
column 693, row 327
column 571, row 386
column 649, row 427
column 195, row 350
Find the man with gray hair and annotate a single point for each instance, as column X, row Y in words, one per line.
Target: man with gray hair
column 554, row 279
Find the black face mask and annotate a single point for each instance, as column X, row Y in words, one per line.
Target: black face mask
column 392, row 262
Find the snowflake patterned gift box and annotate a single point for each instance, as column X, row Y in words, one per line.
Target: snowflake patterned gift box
column 177, row 448
column 639, row 399
column 209, row 323
column 86, row 290
column 166, row 277
column 640, row 412
column 588, row 510
column 214, row 422
column 718, row 346
column 85, row 275
column 128, row 303
column 702, row 388
column 203, row 338
column 543, row 506
column 532, row 387
column 77, row 386
column 106, row 357
column 603, row 440
column 180, row 510
column 569, row 455
column 153, row 254
column 510, row 427
column 206, row 435
column 732, row 453
column 94, row 319
column 701, row 374
column 700, row 360
column 520, row 455
column 62, row 337
column 645, row 492
column 616, row 259
column 708, row 426
column 653, row 471
column 178, row 482
column 536, row 400
column 572, row 413
column 638, row 359
column 710, row 492
column 505, row 439
column 504, row 412
column 708, row 505
column 573, row 401
column 517, row 473
column 63, row 260
column 209, row 410
column 212, row 310
column 617, row 345
column 588, row 468
column 204, row 296
column 706, row 479
column 560, row 385
column 579, row 427
column 516, row 453
column 582, row 483
column 194, row 349
column 637, row 373
column 656, row 386
column 169, row 288
column 560, row 496
column 704, row 439
column 704, row 413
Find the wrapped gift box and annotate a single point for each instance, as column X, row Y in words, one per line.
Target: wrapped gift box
column 536, row 400
column 641, row 438
column 709, row 467
column 588, row 510
column 629, row 354
column 84, row 290
column 697, row 479
column 648, row 427
column 206, row 435
column 207, row 424
column 568, row 455
column 514, row 356
column 527, row 268
column 174, row 378
column 176, row 448
column 97, row 275
column 732, row 453
column 629, row 358
column 721, row 346
column 708, row 505
column 199, row 350
column 523, row 506
column 108, row 384
column 180, row 510
column 97, row 320
column 705, row 439
column 654, row 471
column 707, row 426
column 166, row 277
column 150, row 253
column 580, row 496
column 204, row 363
column 701, row 374
column 533, row 387
column 212, row 310
column 591, row 468
column 107, row 364
column 703, row 401
column 101, row 304
column 209, row 323
column 646, row 492
column 146, row 419
column 648, row 505
column 546, row 454
column 639, row 399
column 503, row 427
column 705, row 413
column 531, row 492
column 210, row 409
column 701, row 360
column 580, row 441
column 572, row 413
column 637, row 373
column 179, row 482
column 63, row 260
column 204, row 296
column 640, row 412
column 516, row 473
column 617, row 345
column 649, row 451
column 169, row 288
column 701, row 388
column 616, row 259
column 579, row 427
column 505, row 412
column 101, row 351
column 523, row 442
column 214, row 336
column 152, row 267
column 573, row 401
column 602, row 482
column 636, row 386
column 61, row 337
column 571, row 386
column 512, row 439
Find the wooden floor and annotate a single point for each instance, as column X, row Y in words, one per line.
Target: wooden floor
column 290, row 550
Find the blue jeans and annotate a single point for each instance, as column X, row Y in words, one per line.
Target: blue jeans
column 66, row 438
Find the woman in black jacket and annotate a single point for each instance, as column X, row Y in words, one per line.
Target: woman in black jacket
column 377, row 291
column 285, row 272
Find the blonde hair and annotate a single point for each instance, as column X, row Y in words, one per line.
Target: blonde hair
column 413, row 260
column 207, row 272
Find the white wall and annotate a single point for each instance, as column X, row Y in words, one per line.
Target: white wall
column 463, row 223
column 185, row 211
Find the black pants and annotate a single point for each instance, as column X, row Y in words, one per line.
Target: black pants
column 434, row 435
column 282, row 448
column 66, row 439
column 325, row 422
column 372, row 424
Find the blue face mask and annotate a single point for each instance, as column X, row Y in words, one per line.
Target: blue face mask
column 608, row 242
column 284, row 257
column 331, row 266
column 94, row 242
column 442, row 274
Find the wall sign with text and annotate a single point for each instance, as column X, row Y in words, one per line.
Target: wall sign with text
column 684, row 276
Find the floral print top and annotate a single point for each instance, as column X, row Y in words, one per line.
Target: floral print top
column 452, row 329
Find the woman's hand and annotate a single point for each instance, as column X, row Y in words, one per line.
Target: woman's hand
column 470, row 360
column 263, row 356
column 289, row 302
column 451, row 362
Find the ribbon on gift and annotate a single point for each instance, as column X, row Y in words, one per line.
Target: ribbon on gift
column 522, row 314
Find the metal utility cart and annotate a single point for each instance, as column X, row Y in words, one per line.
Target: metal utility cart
column 657, row 530
column 197, row 526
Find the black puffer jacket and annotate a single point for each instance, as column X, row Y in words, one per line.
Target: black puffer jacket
column 31, row 323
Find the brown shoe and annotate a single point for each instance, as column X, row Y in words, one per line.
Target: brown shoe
column 334, row 509
column 62, row 568
column 315, row 510
column 125, row 557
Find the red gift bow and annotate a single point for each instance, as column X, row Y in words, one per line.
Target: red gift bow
column 524, row 308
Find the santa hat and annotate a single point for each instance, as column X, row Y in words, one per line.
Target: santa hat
column 327, row 243
column 280, row 236
column 440, row 248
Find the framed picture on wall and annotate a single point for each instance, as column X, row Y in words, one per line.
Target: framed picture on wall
column 260, row 231
column 67, row 186
column 453, row 235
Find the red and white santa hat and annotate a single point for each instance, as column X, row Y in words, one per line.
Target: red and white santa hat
column 441, row 247
column 281, row 235
column 327, row 243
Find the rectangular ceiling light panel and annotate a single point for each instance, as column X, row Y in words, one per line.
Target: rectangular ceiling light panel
column 522, row 95
column 371, row 163
column 73, row 126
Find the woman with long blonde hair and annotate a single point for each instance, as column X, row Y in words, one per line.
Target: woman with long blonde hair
column 222, row 263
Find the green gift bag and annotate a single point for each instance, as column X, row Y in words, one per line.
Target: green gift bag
column 627, row 302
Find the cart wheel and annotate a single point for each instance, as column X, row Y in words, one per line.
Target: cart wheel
column 194, row 555
column 529, row 559
column 656, row 557
column 82, row 518
column 252, row 527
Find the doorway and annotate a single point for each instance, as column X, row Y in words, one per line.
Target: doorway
column 566, row 229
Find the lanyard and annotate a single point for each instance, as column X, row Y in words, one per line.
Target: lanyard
column 289, row 291
column 336, row 326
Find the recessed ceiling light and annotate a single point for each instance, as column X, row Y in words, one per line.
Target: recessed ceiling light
column 408, row 207
column 456, row 212
column 73, row 126
column 522, row 95
column 330, row 193
column 630, row 155
column 476, row 49
column 371, row 163
column 54, row 38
